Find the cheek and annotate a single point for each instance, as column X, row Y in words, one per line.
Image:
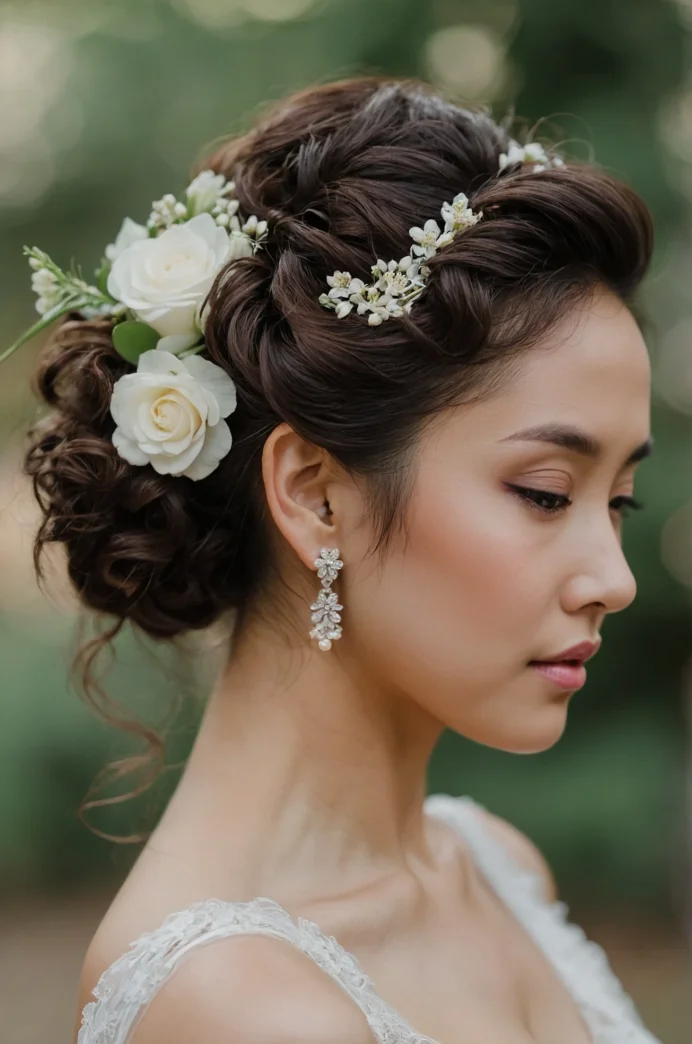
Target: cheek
column 452, row 603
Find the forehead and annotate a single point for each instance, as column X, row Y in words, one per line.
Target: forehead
column 591, row 371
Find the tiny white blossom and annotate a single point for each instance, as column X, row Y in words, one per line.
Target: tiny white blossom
column 163, row 213
column 44, row 281
column 425, row 238
column 392, row 279
column 445, row 239
column 343, row 285
column 254, row 228
column 379, row 306
column 458, row 215
column 204, row 190
column 533, row 152
column 45, row 304
column 225, row 211
column 46, row 286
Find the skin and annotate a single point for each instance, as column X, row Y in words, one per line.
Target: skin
column 335, row 746
column 307, row 778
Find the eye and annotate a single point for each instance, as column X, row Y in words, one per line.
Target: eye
column 552, row 503
column 542, row 499
column 625, row 504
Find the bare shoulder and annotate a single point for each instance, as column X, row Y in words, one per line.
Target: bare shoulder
column 526, row 853
column 253, row 989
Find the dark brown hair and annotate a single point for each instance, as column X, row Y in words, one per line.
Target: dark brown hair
column 341, row 173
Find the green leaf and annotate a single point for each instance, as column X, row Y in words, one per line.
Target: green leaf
column 102, row 276
column 131, row 339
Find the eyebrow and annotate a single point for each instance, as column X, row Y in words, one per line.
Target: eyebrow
column 576, row 440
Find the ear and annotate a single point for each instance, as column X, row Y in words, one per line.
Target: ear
column 297, row 479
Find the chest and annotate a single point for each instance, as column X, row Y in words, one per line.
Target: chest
column 475, row 979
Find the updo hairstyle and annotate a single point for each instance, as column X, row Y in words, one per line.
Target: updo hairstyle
column 340, row 172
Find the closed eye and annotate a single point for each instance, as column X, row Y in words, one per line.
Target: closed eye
column 553, row 503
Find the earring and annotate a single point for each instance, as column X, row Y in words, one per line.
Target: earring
column 325, row 611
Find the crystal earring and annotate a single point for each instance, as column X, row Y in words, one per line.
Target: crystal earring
column 325, row 611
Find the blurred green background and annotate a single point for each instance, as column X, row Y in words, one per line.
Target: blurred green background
column 106, row 106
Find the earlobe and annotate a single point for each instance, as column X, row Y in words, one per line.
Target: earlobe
column 296, row 480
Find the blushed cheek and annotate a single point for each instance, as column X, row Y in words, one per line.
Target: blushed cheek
column 452, row 602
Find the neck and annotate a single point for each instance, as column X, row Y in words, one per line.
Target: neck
column 309, row 770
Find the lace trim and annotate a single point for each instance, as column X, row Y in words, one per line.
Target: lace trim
column 129, row 985
column 582, row 964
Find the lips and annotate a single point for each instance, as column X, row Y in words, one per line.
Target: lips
column 567, row 668
column 570, row 676
column 582, row 652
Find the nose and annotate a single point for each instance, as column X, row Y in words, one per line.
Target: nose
column 602, row 577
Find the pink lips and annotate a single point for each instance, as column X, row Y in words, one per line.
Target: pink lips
column 566, row 675
column 567, row 668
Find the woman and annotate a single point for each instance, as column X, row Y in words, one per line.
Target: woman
column 401, row 453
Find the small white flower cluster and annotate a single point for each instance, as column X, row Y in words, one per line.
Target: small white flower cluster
column 208, row 192
column 45, row 284
column 58, row 292
column 533, row 153
column 397, row 284
column 166, row 212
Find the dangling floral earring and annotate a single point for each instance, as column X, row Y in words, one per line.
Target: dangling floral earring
column 325, row 611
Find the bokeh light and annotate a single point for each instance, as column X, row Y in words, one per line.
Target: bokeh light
column 35, row 64
column 466, row 60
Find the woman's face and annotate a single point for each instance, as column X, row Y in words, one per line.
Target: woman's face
column 486, row 579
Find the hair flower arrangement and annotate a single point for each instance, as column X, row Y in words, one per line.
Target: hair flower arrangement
column 533, row 153
column 397, row 284
column 153, row 281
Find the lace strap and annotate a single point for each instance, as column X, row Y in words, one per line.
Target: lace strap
column 581, row 964
column 128, row 986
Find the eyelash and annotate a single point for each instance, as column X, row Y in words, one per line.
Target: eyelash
column 532, row 496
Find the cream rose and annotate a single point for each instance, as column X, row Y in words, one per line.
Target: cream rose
column 170, row 414
column 164, row 280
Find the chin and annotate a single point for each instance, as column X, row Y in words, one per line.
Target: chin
column 543, row 738
column 539, row 731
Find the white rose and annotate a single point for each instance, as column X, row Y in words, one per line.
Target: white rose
column 130, row 232
column 163, row 280
column 169, row 414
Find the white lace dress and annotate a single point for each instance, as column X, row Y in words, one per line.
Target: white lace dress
column 127, row 987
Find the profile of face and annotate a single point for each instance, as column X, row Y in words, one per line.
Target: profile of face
column 512, row 550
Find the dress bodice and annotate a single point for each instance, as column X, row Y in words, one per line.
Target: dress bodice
column 128, row 986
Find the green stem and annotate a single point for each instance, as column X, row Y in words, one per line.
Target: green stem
column 192, row 351
column 62, row 309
